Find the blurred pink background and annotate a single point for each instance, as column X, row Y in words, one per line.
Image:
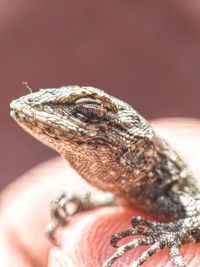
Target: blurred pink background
column 144, row 52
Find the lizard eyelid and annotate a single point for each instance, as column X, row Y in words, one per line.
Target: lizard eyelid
column 89, row 111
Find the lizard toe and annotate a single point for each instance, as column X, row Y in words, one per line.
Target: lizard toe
column 158, row 235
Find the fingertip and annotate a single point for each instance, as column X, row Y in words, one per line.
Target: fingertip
column 86, row 241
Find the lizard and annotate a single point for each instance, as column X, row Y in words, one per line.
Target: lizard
column 117, row 151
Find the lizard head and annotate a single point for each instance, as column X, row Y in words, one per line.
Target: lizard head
column 100, row 135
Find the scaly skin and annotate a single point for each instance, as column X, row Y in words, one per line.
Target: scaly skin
column 115, row 149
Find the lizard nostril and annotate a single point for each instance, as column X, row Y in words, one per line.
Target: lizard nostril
column 30, row 100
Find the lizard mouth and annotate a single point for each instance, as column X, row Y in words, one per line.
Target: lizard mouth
column 18, row 110
column 22, row 111
column 23, row 114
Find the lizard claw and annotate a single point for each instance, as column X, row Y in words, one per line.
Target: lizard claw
column 158, row 235
column 63, row 207
column 66, row 205
column 130, row 232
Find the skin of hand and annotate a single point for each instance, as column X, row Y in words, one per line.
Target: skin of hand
column 85, row 240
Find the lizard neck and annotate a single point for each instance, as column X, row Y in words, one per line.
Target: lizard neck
column 126, row 171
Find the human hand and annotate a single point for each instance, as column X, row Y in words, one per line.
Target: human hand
column 85, row 240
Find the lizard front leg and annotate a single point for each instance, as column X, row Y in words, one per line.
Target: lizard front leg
column 66, row 205
column 158, row 235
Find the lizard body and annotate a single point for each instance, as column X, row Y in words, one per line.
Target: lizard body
column 115, row 149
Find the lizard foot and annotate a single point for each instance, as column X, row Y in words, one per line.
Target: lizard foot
column 63, row 207
column 158, row 235
column 66, row 205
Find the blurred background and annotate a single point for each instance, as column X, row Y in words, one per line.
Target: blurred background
column 144, row 52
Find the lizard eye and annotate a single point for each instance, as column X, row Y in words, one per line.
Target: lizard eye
column 89, row 110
